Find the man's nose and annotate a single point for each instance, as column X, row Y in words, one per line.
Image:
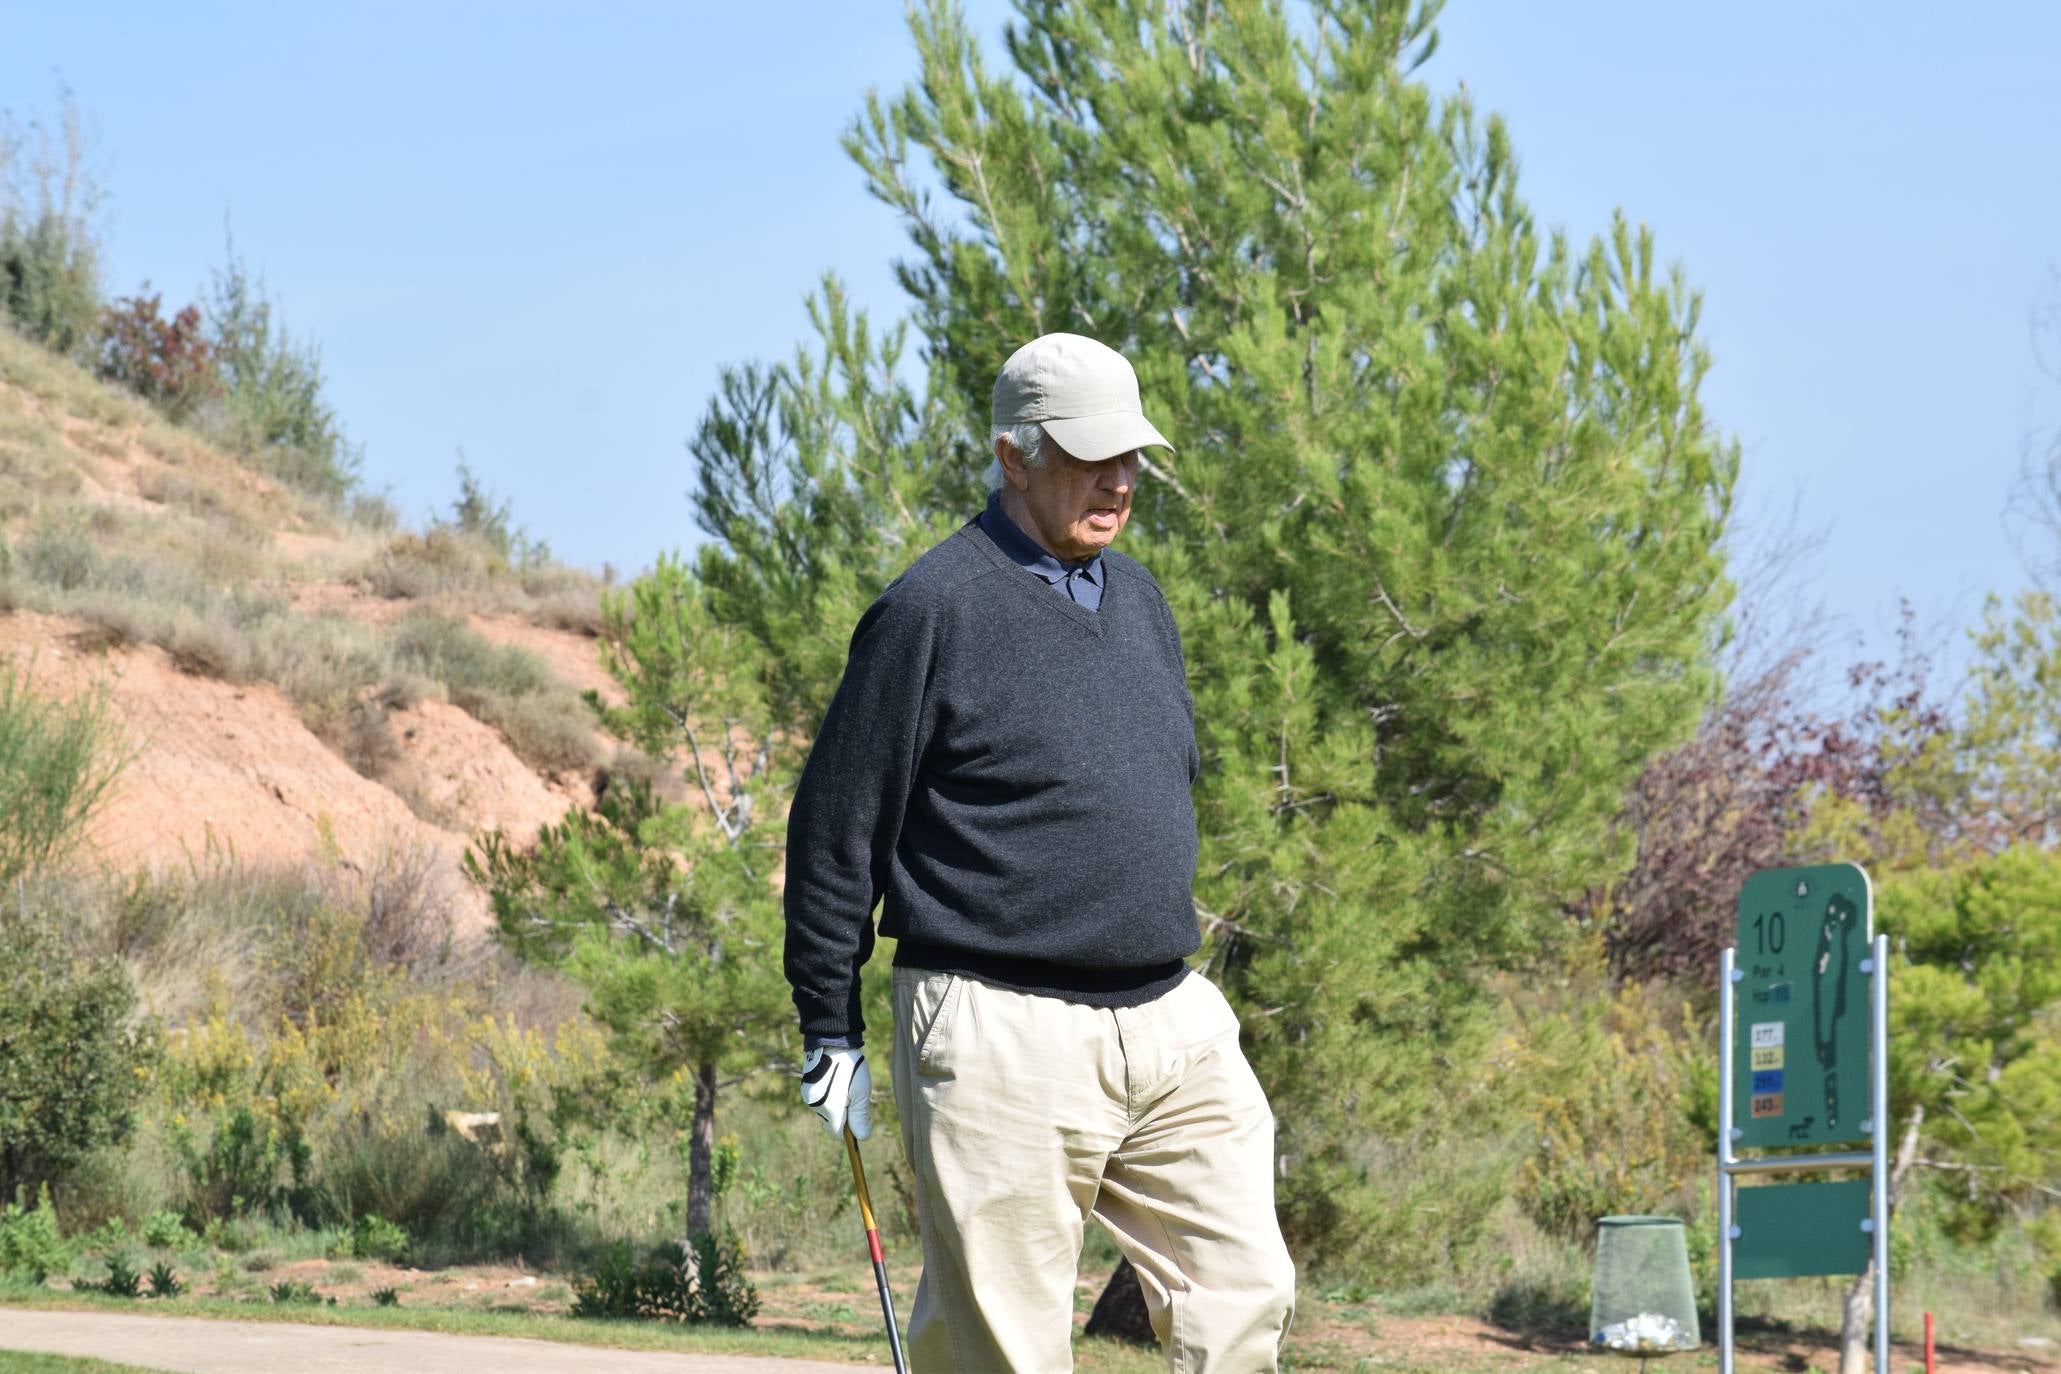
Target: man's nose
column 1120, row 474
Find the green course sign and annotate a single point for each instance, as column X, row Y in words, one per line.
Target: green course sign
column 1788, row 1230
column 1800, row 1047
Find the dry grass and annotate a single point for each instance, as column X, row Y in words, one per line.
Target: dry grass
column 459, row 572
column 509, row 688
column 199, row 556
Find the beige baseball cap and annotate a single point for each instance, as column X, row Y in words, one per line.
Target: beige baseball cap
column 1084, row 393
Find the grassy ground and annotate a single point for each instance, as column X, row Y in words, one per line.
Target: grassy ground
column 23, row 1362
column 1094, row 1357
column 830, row 1313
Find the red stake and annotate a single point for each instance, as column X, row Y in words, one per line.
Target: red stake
column 1928, row 1344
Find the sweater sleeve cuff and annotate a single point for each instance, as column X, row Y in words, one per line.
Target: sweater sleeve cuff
column 831, row 1042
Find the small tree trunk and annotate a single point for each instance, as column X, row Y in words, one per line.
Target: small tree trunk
column 1120, row 1312
column 701, row 1149
column 1859, row 1311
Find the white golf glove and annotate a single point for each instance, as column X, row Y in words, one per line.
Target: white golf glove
column 837, row 1086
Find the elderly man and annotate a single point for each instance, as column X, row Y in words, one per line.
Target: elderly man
column 1006, row 769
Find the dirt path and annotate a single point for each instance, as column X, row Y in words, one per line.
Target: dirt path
column 193, row 1345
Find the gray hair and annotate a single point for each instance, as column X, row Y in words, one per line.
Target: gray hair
column 1027, row 439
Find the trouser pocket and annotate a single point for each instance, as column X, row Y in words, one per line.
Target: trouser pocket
column 926, row 1003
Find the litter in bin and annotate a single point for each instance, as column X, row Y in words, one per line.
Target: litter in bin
column 1649, row 1333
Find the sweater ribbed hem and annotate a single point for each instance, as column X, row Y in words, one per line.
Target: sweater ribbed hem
column 1090, row 987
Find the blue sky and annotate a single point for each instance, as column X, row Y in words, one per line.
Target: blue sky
column 535, row 232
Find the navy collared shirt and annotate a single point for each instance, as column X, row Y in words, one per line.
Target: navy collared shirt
column 1080, row 582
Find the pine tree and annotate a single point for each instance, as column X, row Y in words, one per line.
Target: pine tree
column 1442, row 532
column 668, row 913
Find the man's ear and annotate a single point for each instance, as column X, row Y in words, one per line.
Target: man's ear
column 1013, row 467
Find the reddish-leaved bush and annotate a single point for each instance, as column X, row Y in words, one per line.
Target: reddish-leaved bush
column 167, row 362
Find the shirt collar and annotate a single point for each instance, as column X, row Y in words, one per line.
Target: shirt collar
column 1026, row 553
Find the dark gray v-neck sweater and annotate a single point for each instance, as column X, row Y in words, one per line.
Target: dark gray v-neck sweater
column 1007, row 774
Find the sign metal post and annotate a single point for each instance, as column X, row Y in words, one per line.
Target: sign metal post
column 1808, row 1062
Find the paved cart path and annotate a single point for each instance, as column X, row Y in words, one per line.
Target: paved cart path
column 200, row 1345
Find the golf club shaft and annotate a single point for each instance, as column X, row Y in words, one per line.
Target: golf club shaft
column 887, row 1301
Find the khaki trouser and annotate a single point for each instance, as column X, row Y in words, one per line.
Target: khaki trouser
column 1024, row 1115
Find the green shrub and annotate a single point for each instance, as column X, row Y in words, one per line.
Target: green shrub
column 373, row 510
column 376, row 1158
column 713, row 1289
column 476, row 513
column 57, row 764
column 74, row 1066
column 49, row 283
column 242, row 1166
column 232, row 1236
column 723, row 1291
column 1558, row 1304
column 167, row 1231
column 163, row 1282
column 60, row 554
column 385, row 1297
column 1615, row 1132
column 373, row 1237
column 295, row 1291
column 615, row 1289
column 49, row 251
column 111, row 1235
column 272, row 407
column 32, row 1248
column 122, row 1280
column 472, row 666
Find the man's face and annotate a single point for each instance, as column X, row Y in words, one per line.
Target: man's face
column 1075, row 508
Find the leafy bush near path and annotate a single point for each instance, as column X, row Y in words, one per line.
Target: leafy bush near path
column 373, row 1237
column 32, row 1247
column 122, row 1280
column 239, row 1164
column 670, row 1284
column 296, row 1291
column 75, row 1066
column 166, row 1230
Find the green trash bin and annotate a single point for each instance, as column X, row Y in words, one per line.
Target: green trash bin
column 1643, row 1300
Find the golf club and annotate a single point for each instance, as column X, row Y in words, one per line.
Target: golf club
column 887, row 1301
